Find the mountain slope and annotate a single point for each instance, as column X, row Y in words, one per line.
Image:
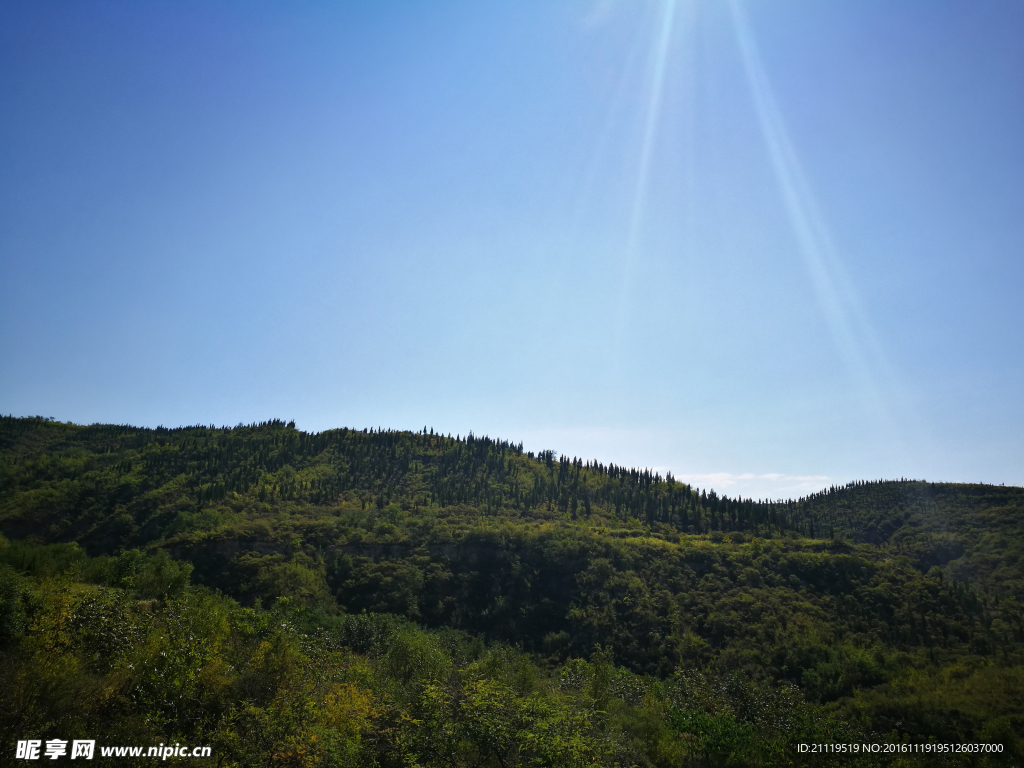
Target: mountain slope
column 858, row 595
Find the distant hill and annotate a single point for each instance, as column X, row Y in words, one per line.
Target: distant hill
column 895, row 604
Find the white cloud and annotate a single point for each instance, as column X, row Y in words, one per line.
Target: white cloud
column 659, row 451
column 749, row 485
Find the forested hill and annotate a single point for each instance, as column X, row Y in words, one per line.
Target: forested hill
column 897, row 605
column 281, row 468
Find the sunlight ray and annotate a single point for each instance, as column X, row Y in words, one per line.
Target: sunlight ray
column 658, row 69
column 836, row 296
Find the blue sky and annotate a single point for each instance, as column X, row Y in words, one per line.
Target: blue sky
column 768, row 246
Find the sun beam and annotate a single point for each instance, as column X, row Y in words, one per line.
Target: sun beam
column 847, row 322
column 654, row 98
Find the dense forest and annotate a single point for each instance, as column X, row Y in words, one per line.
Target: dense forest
column 388, row 598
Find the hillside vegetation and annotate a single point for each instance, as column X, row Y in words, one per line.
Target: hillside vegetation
column 395, row 598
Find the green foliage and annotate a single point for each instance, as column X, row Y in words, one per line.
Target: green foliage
column 161, row 577
column 434, row 601
column 12, row 603
column 293, row 686
column 718, row 739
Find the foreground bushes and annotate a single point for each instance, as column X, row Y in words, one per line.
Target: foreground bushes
column 138, row 657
